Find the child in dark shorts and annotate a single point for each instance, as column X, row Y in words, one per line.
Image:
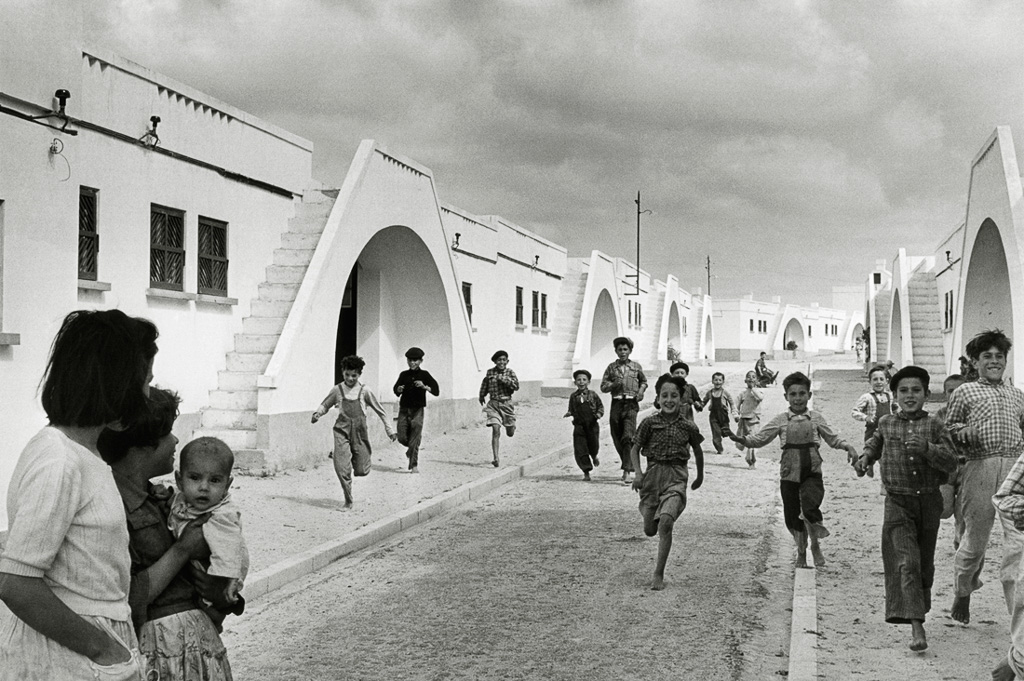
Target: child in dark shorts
column 666, row 439
column 586, row 410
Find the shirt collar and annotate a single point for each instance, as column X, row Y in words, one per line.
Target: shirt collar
column 985, row 381
column 918, row 415
column 132, row 495
column 793, row 415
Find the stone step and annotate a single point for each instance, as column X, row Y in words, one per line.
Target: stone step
column 229, row 419
column 237, row 361
column 299, row 240
column 234, row 399
column 285, row 274
column 263, row 325
column 271, row 292
column 237, row 439
column 236, row 380
column 308, row 223
column 259, row 343
column 250, row 459
column 270, row 308
column 293, row 256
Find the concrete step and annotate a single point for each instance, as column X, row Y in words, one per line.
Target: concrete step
column 270, row 308
column 228, row 419
column 251, row 342
column 237, row 361
column 237, row 439
column 234, row 399
column 271, row 292
column 293, row 256
column 308, row 222
column 250, row 459
column 236, row 380
column 300, row 240
column 263, row 325
column 285, row 274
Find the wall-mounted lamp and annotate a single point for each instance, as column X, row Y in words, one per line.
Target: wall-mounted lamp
column 455, row 241
column 151, row 139
column 536, row 261
column 948, row 258
column 62, row 96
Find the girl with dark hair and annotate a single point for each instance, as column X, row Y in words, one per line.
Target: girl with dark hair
column 65, row 571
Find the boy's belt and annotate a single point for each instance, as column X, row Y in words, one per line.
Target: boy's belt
column 623, row 397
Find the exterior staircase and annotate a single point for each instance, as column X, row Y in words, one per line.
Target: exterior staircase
column 648, row 347
column 883, row 304
column 690, row 352
column 925, row 324
column 562, row 344
column 231, row 414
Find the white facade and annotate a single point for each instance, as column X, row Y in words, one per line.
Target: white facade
column 747, row 327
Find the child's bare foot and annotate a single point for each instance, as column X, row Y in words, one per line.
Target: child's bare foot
column 497, row 461
column 1003, row 671
column 919, row 642
column 414, row 469
column 586, row 476
column 347, row 505
column 961, row 609
column 818, row 531
column 819, row 557
column 625, row 476
column 801, row 559
column 658, row 584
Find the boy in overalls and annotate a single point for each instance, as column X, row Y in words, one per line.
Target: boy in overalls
column 800, row 429
column 872, row 406
column 351, row 440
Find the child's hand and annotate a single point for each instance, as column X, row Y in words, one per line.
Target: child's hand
column 735, row 438
column 232, row 590
column 697, row 481
column 418, row 384
column 915, row 444
column 481, row 401
column 966, row 436
column 161, row 492
column 192, row 541
column 638, row 481
column 736, row 418
column 316, row 417
column 851, row 454
column 393, row 436
column 861, row 466
column 400, row 389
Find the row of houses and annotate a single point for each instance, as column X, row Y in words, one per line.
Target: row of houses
column 122, row 188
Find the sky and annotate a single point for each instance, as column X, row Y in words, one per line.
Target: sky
column 793, row 143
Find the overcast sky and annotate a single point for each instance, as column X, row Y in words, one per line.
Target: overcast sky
column 792, row 142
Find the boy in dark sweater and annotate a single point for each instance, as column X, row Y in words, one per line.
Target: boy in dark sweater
column 586, row 409
column 411, row 387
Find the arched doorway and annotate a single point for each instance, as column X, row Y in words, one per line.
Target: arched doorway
column 394, row 299
column 603, row 331
column 674, row 332
column 896, row 331
column 794, row 332
column 986, row 303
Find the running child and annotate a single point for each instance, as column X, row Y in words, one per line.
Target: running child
column 204, row 483
column 800, row 430
column 873, row 405
column 691, row 396
column 749, row 407
column 352, row 449
column 626, row 381
column 722, row 407
column 586, row 409
column 666, row 439
column 499, row 382
column 916, row 454
column 412, row 387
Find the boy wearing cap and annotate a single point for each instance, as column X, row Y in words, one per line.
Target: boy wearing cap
column 626, row 381
column 499, row 382
column 411, row 387
column 586, row 409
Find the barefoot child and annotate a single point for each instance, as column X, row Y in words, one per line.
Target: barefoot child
column 499, row 382
column 412, row 387
column 352, row 450
column 722, row 407
column 916, row 455
column 985, row 419
column 586, row 409
column 873, row 405
column 749, row 408
column 801, row 430
column 204, row 480
column 626, row 381
column 666, row 439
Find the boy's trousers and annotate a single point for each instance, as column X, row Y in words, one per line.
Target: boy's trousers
column 980, row 479
column 804, row 496
column 909, row 532
column 586, row 439
column 410, row 432
column 622, row 424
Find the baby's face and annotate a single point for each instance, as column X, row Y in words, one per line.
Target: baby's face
column 204, row 481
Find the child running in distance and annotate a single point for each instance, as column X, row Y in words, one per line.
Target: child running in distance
column 204, row 483
column 801, row 430
column 873, row 405
column 586, row 410
column 722, row 407
column 666, row 439
column 749, row 407
column 916, row 454
column 499, row 383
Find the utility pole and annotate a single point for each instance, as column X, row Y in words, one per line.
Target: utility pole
column 708, row 268
column 638, row 214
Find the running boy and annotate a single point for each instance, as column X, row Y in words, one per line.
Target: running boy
column 722, row 407
column 749, row 408
column 499, row 382
column 352, row 449
column 666, row 439
column 985, row 417
column 412, row 387
column 626, row 381
column 800, row 430
column 691, row 397
column 873, row 405
column 204, row 480
column 586, row 409
column 916, row 455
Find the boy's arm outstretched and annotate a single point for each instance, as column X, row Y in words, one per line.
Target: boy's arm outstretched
column 483, row 390
column 834, row 441
column 609, row 380
column 371, row 401
column 762, row 437
column 634, row 458
column 872, row 452
column 863, row 410
column 698, row 458
column 325, row 406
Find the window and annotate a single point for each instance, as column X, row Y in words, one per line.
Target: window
column 684, row 325
column 467, row 295
column 762, row 326
column 166, row 248
column 213, row 257
column 543, row 310
column 519, row 305
column 752, row 326
column 629, row 313
column 835, row 330
column 535, row 315
column 88, row 239
column 639, row 310
column 877, row 277
column 809, row 330
column 947, row 314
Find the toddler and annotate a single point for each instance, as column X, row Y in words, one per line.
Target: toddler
column 749, row 407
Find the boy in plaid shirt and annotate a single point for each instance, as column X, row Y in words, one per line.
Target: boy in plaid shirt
column 985, row 418
column 499, row 382
column 916, row 455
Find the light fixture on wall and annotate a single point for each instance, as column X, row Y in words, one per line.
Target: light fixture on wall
column 62, row 96
column 455, row 241
column 151, row 139
column 536, row 261
column 948, row 258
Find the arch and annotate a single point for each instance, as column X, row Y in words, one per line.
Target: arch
column 397, row 301
column 674, row 332
column 858, row 331
column 896, row 330
column 987, row 296
column 793, row 331
column 603, row 331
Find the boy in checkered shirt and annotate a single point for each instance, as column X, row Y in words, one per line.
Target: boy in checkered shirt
column 985, row 418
